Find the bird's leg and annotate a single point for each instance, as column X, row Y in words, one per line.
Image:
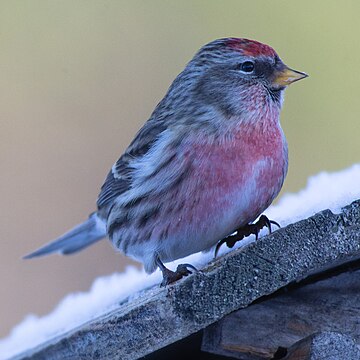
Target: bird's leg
column 170, row 276
column 245, row 231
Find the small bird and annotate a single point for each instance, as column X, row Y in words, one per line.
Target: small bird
column 209, row 160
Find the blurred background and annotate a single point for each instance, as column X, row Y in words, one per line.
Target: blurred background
column 78, row 79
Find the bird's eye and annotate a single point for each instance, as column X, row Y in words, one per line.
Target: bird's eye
column 247, row 67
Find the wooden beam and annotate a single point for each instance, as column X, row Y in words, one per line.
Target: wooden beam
column 274, row 324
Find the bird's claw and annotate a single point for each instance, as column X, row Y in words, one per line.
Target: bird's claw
column 170, row 276
column 245, row 231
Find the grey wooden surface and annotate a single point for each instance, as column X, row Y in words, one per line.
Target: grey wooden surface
column 257, row 332
column 328, row 345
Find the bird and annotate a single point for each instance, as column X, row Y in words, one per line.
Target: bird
column 209, row 161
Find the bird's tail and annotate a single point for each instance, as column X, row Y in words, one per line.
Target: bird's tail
column 81, row 236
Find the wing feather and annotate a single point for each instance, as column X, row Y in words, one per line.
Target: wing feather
column 119, row 178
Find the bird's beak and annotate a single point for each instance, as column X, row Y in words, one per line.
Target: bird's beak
column 287, row 76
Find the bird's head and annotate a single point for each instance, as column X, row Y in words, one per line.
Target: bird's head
column 240, row 74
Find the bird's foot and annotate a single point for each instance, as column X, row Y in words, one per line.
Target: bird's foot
column 170, row 276
column 245, row 231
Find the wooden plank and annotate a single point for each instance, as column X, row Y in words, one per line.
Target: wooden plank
column 325, row 346
column 258, row 331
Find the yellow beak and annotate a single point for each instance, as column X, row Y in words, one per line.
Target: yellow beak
column 287, row 76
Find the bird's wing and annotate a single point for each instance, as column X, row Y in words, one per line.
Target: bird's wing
column 119, row 178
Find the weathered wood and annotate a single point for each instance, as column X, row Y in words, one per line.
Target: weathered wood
column 325, row 346
column 162, row 316
column 258, row 331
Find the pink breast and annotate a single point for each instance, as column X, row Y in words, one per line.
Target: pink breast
column 227, row 183
column 236, row 179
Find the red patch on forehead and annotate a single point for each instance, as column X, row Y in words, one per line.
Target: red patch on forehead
column 250, row 47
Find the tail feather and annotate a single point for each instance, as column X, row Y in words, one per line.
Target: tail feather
column 78, row 238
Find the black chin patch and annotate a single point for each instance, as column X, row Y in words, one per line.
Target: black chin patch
column 275, row 93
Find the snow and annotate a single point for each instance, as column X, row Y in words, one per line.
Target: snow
column 323, row 191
